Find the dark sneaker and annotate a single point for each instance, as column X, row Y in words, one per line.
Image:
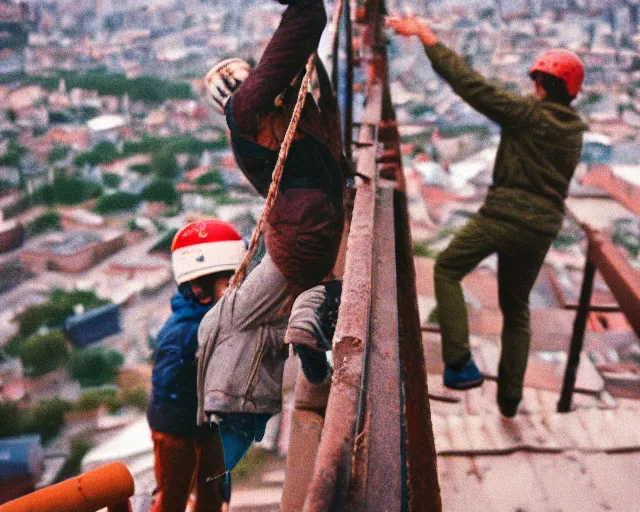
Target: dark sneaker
column 508, row 405
column 466, row 377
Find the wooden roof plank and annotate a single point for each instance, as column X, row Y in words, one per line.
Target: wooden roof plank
column 625, row 423
column 600, row 433
column 440, row 433
column 567, row 487
column 480, row 438
column 568, row 431
column 457, row 434
column 616, row 478
column 545, row 439
column 530, row 402
column 510, row 483
column 460, row 485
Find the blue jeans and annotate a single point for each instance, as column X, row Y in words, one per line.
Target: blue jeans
column 238, row 431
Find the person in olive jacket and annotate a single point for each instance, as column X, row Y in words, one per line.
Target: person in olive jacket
column 540, row 147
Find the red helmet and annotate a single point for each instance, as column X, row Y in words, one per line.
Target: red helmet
column 563, row 64
column 205, row 247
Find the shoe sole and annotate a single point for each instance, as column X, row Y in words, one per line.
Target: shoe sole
column 466, row 385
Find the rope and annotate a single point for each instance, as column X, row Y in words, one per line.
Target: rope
column 276, row 177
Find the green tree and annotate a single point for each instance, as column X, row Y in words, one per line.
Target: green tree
column 54, row 311
column 14, row 346
column 164, row 243
column 178, row 144
column 147, row 88
column 137, row 398
column 95, row 366
column 111, row 180
column 93, row 399
column 48, row 221
column 47, row 417
column 12, row 419
column 43, row 353
column 160, row 190
column 66, row 190
column 164, row 163
column 13, row 155
column 210, row 178
column 80, row 446
column 142, row 169
column 58, row 153
column 101, row 153
column 120, row 201
column 6, row 186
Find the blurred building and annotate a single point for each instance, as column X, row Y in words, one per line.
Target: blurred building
column 86, row 328
column 21, row 464
column 71, row 251
column 10, row 234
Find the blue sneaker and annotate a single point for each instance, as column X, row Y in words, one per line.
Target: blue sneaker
column 467, row 377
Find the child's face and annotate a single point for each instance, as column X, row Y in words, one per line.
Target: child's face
column 208, row 289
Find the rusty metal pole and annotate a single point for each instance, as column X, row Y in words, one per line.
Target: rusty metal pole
column 577, row 338
column 424, row 489
column 622, row 279
column 378, row 453
column 307, row 422
column 329, row 488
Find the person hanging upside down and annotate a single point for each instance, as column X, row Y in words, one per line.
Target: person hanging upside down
column 242, row 348
column 540, row 147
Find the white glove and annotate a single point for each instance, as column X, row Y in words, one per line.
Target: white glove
column 223, row 79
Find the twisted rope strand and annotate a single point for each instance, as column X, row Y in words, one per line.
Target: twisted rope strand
column 241, row 272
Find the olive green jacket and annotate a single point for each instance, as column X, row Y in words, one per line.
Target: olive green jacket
column 540, row 146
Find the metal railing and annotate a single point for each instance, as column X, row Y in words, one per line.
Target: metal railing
column 623, row 281
column 109, row 486
column 367, row 442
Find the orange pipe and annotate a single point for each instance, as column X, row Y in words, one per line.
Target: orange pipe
column 106, row 486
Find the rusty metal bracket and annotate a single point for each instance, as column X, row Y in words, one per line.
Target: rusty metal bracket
column 623, row 281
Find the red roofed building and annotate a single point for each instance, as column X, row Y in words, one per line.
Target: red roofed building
column 197, row 172
column 435, row 196
column 77, row 138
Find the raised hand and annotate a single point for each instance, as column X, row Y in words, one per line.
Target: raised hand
column 412, row 26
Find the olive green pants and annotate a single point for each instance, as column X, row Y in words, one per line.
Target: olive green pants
column 521, row 253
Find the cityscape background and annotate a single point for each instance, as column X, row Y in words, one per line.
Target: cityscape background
column 107, row 148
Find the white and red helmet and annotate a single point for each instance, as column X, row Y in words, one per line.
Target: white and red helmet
column 562, row 64
column 205, row 247
column 223, row 79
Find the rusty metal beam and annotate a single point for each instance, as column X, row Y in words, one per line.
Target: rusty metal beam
column 384, row 435
column 424, row 490
column 306, row 428
column 330, row 485
column 623, row 281
column 621, row 278
column 378, row 455
column 309, row 409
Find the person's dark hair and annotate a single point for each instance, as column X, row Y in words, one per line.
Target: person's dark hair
column 555, row 87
